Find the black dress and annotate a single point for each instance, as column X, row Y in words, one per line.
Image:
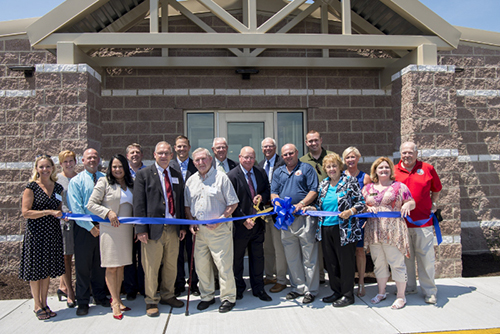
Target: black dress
column 42, row 254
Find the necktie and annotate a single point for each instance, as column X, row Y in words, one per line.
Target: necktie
column 267, row 167
column 95, row 178
column 250, row 185
column 221, row 167
column 170, row 195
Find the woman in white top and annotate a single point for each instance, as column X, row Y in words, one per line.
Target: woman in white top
column 112, row 198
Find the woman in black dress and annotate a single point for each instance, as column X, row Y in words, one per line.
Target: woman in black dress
column 42, row 254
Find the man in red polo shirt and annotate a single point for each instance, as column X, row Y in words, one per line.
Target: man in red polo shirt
column 424, row 184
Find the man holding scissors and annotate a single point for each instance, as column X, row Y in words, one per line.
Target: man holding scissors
column 252, row 187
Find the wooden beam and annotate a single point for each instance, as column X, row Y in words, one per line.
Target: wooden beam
column 296, row 20
column 324, row 26
column 199, row 22
column 425, row 54
column 164, row 23
column 222, row 14
column 129, row 19
column 229, row 40
column 346, row 17
column 154, row 15
column 69, row 53
column 231, row 62
column 280, row 15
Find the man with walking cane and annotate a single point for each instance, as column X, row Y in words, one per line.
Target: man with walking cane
column 209, row 195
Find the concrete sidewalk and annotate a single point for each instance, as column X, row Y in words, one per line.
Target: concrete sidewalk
column 463, row 304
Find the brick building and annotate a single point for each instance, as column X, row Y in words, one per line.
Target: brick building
column 365, row 74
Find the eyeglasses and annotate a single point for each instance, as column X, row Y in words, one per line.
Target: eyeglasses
column 42, row 156
column 288, row 154
column 163, row 153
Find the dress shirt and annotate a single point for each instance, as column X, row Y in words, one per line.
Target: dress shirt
column 162, row 181
column 79, row 190
column 207, row 197
column 184, row 167
column 252, row 176
column 271, row 162
column 133, row 171
column 224, row 163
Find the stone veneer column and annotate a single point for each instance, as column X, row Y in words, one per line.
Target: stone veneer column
column 424, row 98
column 62, row 112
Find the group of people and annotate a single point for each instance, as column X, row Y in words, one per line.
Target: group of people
column 150, row 258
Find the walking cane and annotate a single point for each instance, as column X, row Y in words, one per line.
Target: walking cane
column 190, row 275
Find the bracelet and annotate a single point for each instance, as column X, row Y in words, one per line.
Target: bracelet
column 434, row 203
column 352, row 212
column 302, row 202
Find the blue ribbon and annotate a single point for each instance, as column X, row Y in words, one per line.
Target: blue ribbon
column 284, row 213
column 154, row 220
column 385, row 214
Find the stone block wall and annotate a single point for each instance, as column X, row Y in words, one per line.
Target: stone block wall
column 426, row 98
column 478, row 106
column 58, row 108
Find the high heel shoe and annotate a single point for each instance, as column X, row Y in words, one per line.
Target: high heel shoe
column 116, row 308
column 61, row 294
column 71, row 304
column 123, row 309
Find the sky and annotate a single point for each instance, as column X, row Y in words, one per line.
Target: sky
column 479, row 14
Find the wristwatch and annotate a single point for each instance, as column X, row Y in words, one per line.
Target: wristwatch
column 302, row 202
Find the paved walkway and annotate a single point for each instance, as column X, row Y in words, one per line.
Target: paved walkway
column 463, row 304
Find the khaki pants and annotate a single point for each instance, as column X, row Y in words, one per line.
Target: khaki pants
column 421, row 250
column 383, row 256
column 216, row 245
column 164, row 250
column 274, row 254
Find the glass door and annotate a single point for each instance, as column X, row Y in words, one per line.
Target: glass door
column 245, row 129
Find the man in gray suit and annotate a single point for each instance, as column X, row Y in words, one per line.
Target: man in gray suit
column 159, row 192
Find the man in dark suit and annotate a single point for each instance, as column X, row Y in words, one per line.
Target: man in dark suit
column 159, row 192
column 252, row 187
column 221, row 162
column 274, row 253
column 184, row 164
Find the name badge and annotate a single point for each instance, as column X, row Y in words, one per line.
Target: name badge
column 212, row 190
column 175, row 180
column 58, row 197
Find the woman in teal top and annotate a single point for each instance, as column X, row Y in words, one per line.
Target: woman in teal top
column 339, row 234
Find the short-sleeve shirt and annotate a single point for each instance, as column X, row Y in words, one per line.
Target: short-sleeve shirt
column 422, row 180
column 296, row 184
column 208, row 197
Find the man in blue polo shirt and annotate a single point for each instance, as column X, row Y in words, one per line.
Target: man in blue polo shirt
column 298, row 181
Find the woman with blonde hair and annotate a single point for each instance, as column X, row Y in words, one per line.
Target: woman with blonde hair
column 387, row 238
column 351, row 156
column 339, row 234
column 67, row 160
column 42, row 253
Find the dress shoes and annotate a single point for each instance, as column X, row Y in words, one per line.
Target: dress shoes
column 82, row 309
column 103, row 302
column 152, row 310
column 203, row 305
column 195, row 291
column 178, row 290
column 292, row 295
column 226, row 306
column 173, row 301
column 270, row 281
column 308, row 298
column 131, row 296
column 262, row 295
column 277, row 288
column 430, row 299
column 239, row 295
column 343, row 302
column 331, row 299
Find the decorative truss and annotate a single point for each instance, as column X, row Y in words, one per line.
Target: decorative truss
column 249, row 40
